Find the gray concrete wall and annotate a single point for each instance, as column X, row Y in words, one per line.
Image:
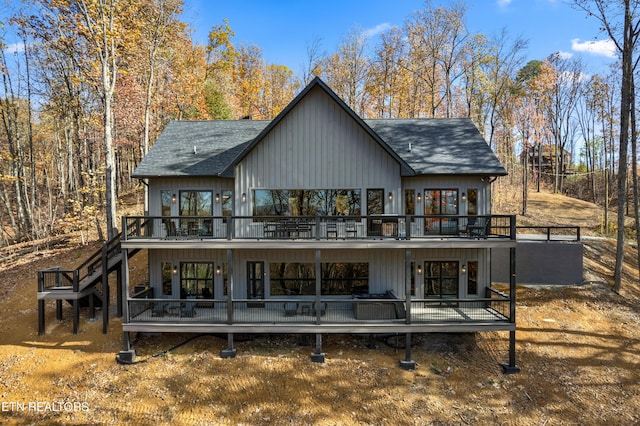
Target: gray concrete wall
column 540, row 262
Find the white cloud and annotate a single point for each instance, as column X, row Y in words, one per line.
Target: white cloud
column 14, row 48
column 371, row 32
column 600, row 47
column 565, row 55
column 503, row 3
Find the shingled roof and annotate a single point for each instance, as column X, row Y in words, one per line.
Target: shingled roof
column 422, row 146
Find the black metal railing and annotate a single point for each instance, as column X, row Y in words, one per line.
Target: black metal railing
column 319, row 227
column 560, row 233
column 326, row 311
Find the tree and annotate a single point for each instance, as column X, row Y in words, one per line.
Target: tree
column 624, row 34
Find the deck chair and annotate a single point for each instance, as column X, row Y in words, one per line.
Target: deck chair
column 323, row 309
column 159, row 309
column 478, row 229
column 332, row 229
column 171, row 228
column 290, row 309
column 188, row 309
column 350, row 228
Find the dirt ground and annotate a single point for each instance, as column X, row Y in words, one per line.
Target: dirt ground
column 578, row 348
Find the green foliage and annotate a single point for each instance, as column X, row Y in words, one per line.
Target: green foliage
column 217, row 105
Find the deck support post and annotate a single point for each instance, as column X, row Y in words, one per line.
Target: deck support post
column 512, row 368
column 59, row 310
column 76, row 315
column 105, row 290
column 230, row 351
column 407, row 363
column 119, row 287
column 40, row 317
column 317, row 355
column 126, row 355
column 92, row 305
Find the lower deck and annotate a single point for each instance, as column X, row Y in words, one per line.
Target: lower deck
column 333, row 316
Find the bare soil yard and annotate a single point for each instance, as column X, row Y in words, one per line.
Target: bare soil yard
column 578, row 347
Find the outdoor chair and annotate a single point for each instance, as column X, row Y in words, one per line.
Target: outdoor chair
column 478, row 229
column 188, row 309
column 159, row 309
column 350, row 228
column 323, row 309
column 290, row 309
column 332, row 229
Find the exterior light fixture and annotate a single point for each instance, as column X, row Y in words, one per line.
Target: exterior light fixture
column 175, row 269
column 390, row 196
column 419, row 270
column 244, row 197
column 173, row 198
column 464, row 196
column 217, row 197
column 463, row 269
column 218, row 270
column 419, row 197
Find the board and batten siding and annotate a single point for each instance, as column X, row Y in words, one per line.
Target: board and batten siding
column 317, row 145
column 177, row 184
column 386, row 267
column 461, row 183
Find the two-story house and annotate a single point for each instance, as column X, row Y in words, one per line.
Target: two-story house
column 319, row 222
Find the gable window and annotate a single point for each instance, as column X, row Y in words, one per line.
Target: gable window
column 441, row 279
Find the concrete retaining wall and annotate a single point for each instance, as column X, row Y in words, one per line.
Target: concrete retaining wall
column 540, row 262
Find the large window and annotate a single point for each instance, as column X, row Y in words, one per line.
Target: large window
column 306, row 202
column 167, row 274
column 338, row 279
column 409, row 202
column 196, row 279
column 196, row 203
column 345, row 278
column 472, row 201
column 227, row 202
column 165, row 201
column 472, row 278
column 375, row 201
column 440, row 202
column 289, row 279
column 441, row 279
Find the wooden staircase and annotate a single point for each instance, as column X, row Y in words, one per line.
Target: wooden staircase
column 85, row 286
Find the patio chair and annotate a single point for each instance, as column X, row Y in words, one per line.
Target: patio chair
column 188, row 309
column 323, row 309
column 159, row 309
column 478, row 229
column 332, row 229
column 350, row 228
column 290, row 309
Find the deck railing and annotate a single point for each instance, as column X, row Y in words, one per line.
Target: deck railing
column 327, row 311
column 319, row 227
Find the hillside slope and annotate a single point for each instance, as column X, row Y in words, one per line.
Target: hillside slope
column 578, row 348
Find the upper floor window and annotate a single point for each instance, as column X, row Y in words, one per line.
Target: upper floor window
column 227, row 202
column 441, row 201
column 166, row 199
column 375, row 201
column 306, row 202
column 472, row 201
column 409, row 202
column 196, row 203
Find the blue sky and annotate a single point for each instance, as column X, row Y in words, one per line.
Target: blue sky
column 283, row 28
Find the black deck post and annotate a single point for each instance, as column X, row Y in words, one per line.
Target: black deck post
column 407, row 363
column 230, row 351
column 317, row 355
column 512, row 368
column 126, row 355
column 59, row 310
column 40, row 317
column 76, row 315
column 105, row 290
column 119, row 288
